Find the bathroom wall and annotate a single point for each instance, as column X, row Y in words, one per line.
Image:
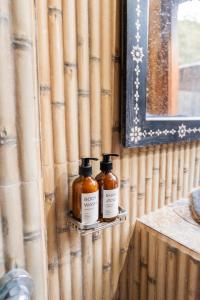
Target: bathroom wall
column 77, row 76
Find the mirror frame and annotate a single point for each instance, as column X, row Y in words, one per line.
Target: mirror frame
column 136, row 130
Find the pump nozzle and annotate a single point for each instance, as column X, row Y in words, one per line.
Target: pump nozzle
column 106, row 163
column 85, row 168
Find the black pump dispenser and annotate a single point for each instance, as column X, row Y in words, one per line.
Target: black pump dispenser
column 85, row 169
column 106, row 163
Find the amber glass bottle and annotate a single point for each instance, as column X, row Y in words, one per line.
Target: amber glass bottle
column 108, row 190
column 85, row 198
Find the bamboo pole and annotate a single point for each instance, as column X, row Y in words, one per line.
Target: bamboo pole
column 97, row 266
column 95, row 83
column 186, row 170
column 124, row 202
column 193, row 281
column 106, row 127
column 152, row 248
column 9, row 169
column 115, row 67
column 168, row 190
column 27, row 110
column 71, row 113
column 95, row 121
column 84, row 124
column 134, row 274
column 175, row 173
column 115, row 96
column 76, row 265
column 70, row 80
column 162, row 176
column 141, row 182
column 197, row 165
column 87, row 267
column 63, row 236
column 182, row 276
column 83, row 76
column 133, row 187
column 106, row 75
column 59, row 136
column 171, row 273
column 156, row 171
column 148, row 179
column 161, row 270
column 144, row 265
column 192, row 165
column 45, row 102
column 46, row 134
column 180, row 172
column 124, row 233
column 123, row 281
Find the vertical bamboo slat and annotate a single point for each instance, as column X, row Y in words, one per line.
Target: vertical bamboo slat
column 186, row 170
column 151, row 267
column 45, row 102
column 149, row 175
column 171, row 273
column 162, row 176
column 95, row 83
column 84, row 126
column 141, row 182
column 192, row 165
column 97, row 267
column 115, row 95
column 144, row 265
column 133, row 187
column 71, row 88
column 95, row 119
column 106, row 127
column 124, row 201
column 180, row 172
column 9, row 168
column 59, row 140
column 175, row 173
column 87, row 267
column 197, row 165
column 182, row 274
column 76, row 265
column 156, row 171
column 83, row 76
column 168, row 191
column 134, row 276
column 161, row 270
column 71, row 101
column 27, row 110
column 193, row 280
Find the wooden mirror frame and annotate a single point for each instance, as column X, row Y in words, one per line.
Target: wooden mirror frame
column 136, row 130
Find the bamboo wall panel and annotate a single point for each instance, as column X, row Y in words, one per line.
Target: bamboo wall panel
column 21, row 194
column 71, row 94
column 84, row 47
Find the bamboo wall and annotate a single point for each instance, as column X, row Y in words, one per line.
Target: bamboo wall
column 73, row 90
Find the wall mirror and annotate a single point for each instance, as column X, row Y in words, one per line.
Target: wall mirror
column 160, row 71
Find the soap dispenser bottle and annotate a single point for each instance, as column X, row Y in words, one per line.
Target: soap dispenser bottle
column 85, row 194
column 108, row 190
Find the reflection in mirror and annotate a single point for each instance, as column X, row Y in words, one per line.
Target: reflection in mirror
column 174, row 58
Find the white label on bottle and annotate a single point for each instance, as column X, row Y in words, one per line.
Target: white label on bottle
column 89, row 208
column 110, row 203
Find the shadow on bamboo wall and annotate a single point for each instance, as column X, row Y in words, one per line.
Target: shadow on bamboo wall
column 77, row 79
